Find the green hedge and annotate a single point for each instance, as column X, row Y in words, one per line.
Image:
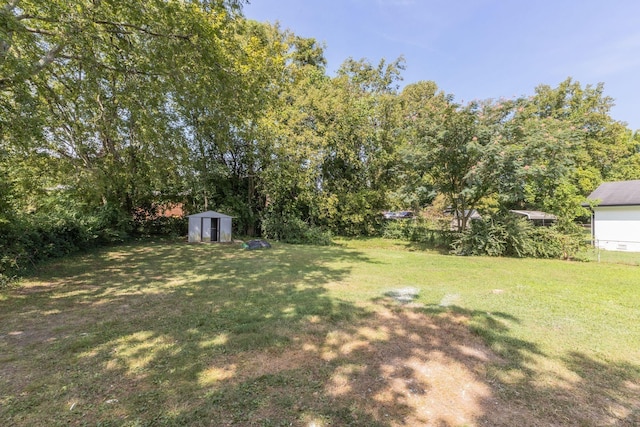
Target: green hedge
column 31, row 239
column 28, row 241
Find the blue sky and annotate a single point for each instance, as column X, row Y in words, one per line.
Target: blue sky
column 479, row 49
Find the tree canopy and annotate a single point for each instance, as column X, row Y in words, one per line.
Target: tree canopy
column 109, row 109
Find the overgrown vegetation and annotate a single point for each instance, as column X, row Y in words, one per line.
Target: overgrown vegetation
column 508, row 235
column 292, row 229
column 435, row 234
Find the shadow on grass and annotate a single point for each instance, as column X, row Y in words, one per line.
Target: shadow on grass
column 441, row 248
column 530, row 388
column 208, row 335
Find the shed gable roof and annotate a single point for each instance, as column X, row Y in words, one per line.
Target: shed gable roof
column 209, row 214
column 620, row 193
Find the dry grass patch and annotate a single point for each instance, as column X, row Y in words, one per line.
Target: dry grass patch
column 397, row 367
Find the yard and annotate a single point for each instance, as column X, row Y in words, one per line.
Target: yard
column 165, row 333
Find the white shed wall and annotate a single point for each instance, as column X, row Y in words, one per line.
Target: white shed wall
column 617, row 228
column 225, row 229
column 195, row 232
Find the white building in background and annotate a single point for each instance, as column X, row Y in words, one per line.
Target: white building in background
column 615, row 221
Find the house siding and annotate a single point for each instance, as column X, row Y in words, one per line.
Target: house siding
column 617, row 228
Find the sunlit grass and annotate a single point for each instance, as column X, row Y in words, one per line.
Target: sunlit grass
column 611, row 257
column 167, row 333
column 563, row 305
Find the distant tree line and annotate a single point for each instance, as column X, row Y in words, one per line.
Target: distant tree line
column 111, row 109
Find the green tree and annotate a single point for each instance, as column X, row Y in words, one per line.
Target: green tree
column 456, row 149
column 360, row 144
column 100, row 82
column 603, row 141
column 563, row 143
column 538, row 157
column 628, row 168
column 421, row 105
column 334, row 143
column 224, row 136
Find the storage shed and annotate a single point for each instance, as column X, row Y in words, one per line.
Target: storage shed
column 209, row 226
column 615, row 219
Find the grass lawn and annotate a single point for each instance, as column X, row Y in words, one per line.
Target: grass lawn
column 167, row 334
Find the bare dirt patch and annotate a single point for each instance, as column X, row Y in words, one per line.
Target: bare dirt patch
column 404, row 367
column 397, row 368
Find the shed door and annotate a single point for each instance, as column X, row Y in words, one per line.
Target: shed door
column 215, row 229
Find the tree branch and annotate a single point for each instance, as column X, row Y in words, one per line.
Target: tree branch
column 143, row 30
column 39, row 31
column 112, row 68
column 47, row 59
column 42, row 63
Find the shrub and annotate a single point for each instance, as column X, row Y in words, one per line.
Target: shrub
column 483, row 237
column 29, row 240
column 506, row 235
column 109, row 225
column 291, row 229
column 418, row 230
column 161, row 226
column 318, row 236
column 571, row 239
column 10, row 249
column 396, row 230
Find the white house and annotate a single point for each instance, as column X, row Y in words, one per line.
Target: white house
column 615, row 220
column 209, row 226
